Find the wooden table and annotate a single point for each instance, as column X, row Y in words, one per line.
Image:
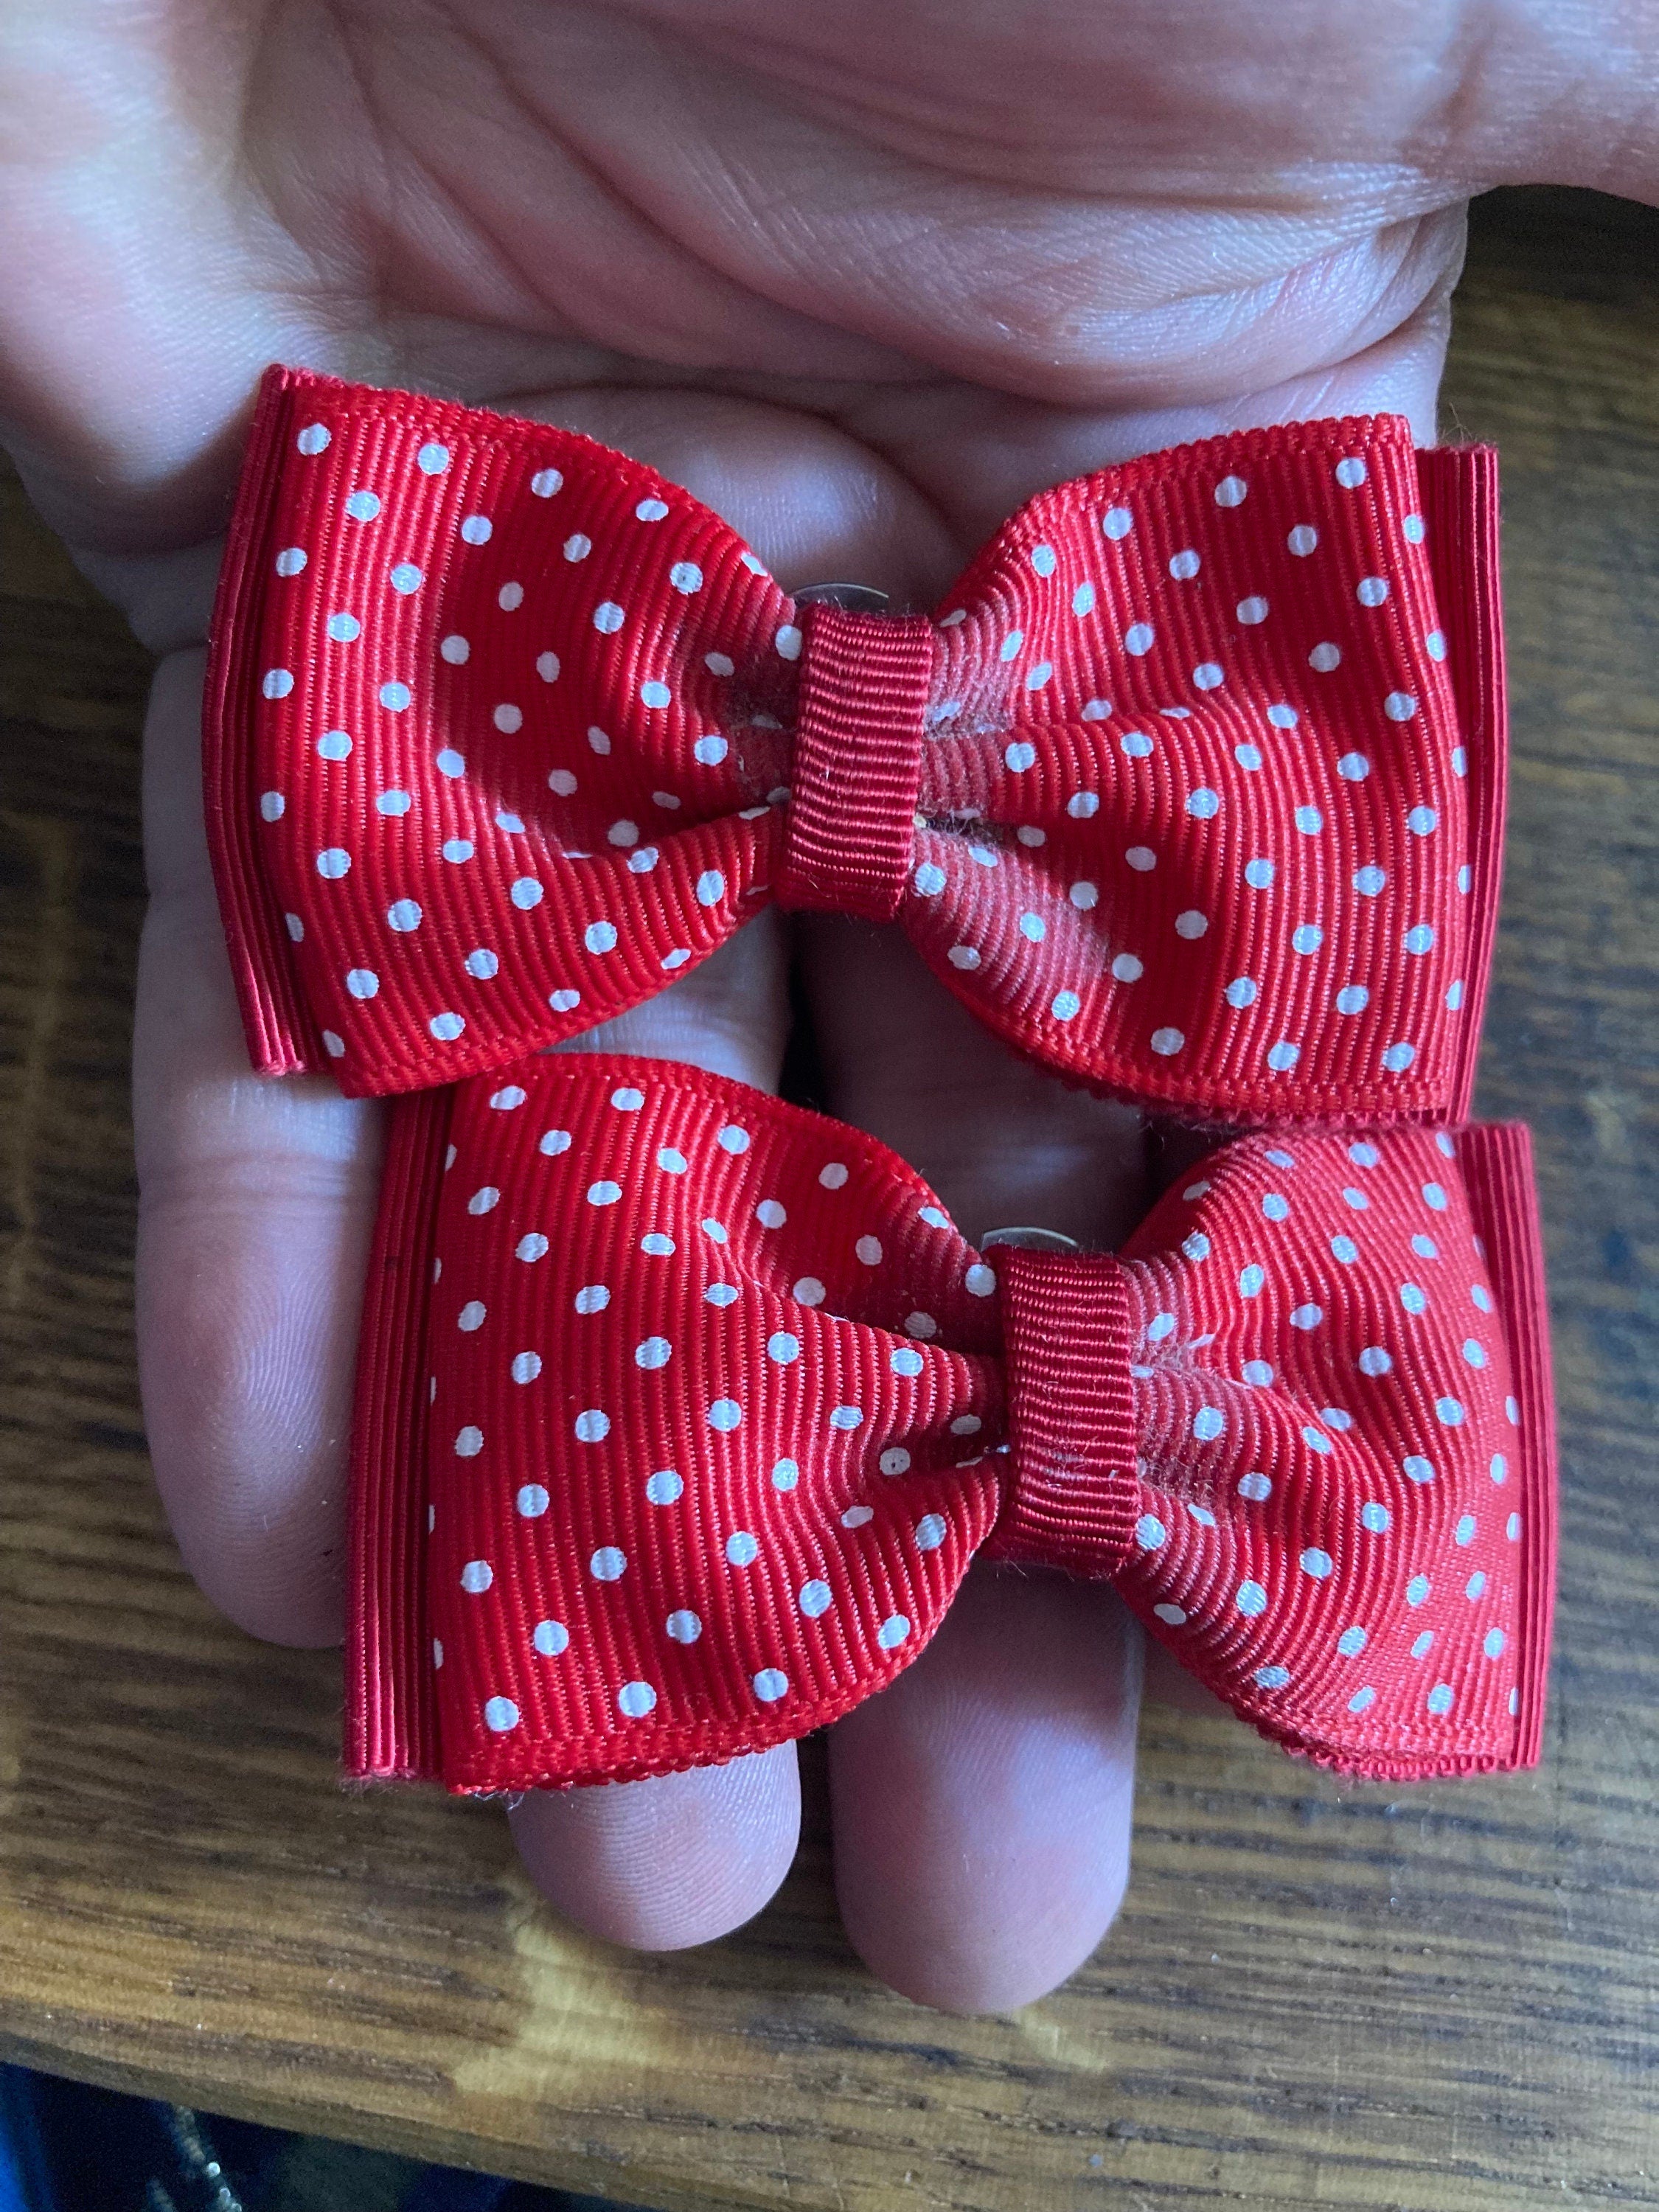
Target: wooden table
column 1318, row 1994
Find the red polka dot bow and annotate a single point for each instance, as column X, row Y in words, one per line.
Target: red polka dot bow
column 1191, row 790
column 683, row 1411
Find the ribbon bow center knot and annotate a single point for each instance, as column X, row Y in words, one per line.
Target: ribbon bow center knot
column 1067, row 1337
column 865, row 683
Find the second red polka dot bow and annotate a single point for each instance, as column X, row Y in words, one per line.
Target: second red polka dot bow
column 681, row 1413
column 1192, row 789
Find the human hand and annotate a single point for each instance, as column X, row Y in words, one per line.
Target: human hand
column 862, row 279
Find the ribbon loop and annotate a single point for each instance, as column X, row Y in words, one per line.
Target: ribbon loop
column 1066, row 1336
column 865, row 681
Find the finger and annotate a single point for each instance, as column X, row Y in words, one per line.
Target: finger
column 663, row 1864
column 982, row 1804
column 684, row 1858
column 1001, row 1142
column 256, row 1206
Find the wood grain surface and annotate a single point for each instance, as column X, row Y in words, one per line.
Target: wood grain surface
column 1319, row 1995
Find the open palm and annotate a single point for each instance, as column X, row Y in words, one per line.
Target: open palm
column 862, row 278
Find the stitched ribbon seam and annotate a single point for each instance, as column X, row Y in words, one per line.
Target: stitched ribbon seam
column 1193, row 790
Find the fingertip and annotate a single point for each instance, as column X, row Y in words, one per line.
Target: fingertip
column 664, row 1864
column 982, row 1804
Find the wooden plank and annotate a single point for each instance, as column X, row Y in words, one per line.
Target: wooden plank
column 1319, row 1994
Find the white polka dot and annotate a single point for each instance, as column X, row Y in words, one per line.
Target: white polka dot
column 635, row 1699
column 527, row 893
column 469, row 1443
column 471, row 1315
column 1230, row 491
column 1127, row 969
column 333, row 1045
column 334, row 745
column 1325, row 657
column 1065, row 1006
column 1436, row 642
column 296, row 928
column 1368, row 882
column 1252, row 610
column 394, row 803
column 1494, row 1643
column 1307, row 938
column 1377, row 1518
column 1250, row 1281
column 533, row 1499
column 1207, row 675
column 1283, row 1056
column 1137, row 744
column 847, row 1417
column 1309, row 821
column 1251, row 1598
column 394, row 697
column 446, row 1027
column 1420, row 938
column 534, row 1247
column 551, row 1637
column 1259, row 874
column 564, row 1001
column 809, row 1291
column 363, row 982
column 1272, row 1678
column 1399, row 1057
column 979, row 1281
column 1209, row 1422
column 1248, row 756
column 1203, row 805
column 1197, row 1246
column 770, row 1684
column 1317, row 1441
column 725, row 1414
column 1371, row 590
column 1138, row 638
column 314, row 439
column 1353, row 767
column 787, row 642
column 930, row 1532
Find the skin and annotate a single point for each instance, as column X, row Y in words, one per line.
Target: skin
column 863, row 278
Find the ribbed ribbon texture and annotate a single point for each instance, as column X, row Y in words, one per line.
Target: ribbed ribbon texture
column 1191, row 787
column 1066, row 1347
column 865, row 682
column 683, row 1413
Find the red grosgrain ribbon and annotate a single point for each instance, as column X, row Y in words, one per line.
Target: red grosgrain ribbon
column 1192, row 789
column 682, row 1413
